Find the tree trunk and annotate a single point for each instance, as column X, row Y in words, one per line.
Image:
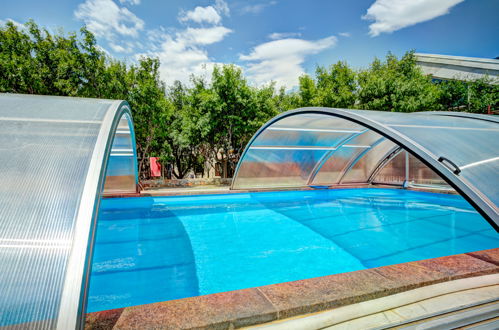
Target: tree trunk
column 225, row 168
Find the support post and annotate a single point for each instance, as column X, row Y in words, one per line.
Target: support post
column 406, row 181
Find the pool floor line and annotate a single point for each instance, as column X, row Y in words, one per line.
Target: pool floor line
column 99, row 273
column 364, row 261
column 322, row 235
column 379, row 226
column 422, row 245
column 138, row 240
column 415, row 219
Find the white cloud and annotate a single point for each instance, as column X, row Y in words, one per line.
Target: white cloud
column 222, row 7
column 131, row 2
column 393, row 15
column 104, row 50
column 182, row 54
column 200, row 15
column 178, row 61
column 17, row 24
column 277, row 35
column 125, row 47
column 117, row 48
column 209, row 14
column 204, row 36
column 281, row 60
column 105, row 18
column 256, row 8
column 345, row 34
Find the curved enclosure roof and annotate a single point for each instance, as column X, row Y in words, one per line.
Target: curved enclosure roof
column 328, row 147
column 57, row 153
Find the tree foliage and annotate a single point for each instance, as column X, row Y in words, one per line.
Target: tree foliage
column 472, row 96
column 208, row 122
column 34, row 61
column 336, row 86
column 397, row 85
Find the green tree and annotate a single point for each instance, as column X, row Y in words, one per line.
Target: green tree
column 267, row 106
column 453, row 94
column 231, row 107
column 307, row 91
column 481, row 94
column 18, row 69
column 472, row 96
column 336, row 86
column 150, row 109
column 397, row 85
column 187, row 129
column 34, row 61
column 286, row 100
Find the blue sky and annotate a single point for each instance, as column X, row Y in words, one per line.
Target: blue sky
column 270, row 39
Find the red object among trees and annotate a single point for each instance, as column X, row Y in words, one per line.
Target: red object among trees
column 155, row 166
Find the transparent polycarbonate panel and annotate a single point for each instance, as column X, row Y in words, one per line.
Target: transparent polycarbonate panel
column 120, row 165
column 120, row 176
column 332, row 170
column 366, row 163
column 423, row 120
column 467, row 141
column 266, row 168
column 465, row 114
column 122, row 141
column 465, row 148
column 394, row 172
column 47, row 145
column 302, row 138
column 338, row 161
column 464, row 141
column 286, row 153
column 421, row 174
column 484, row 176
column 43, row 167
column 312, row 121
column 365, row 139
column 123, row 137
column 35, row 107
column 121, row 171
column 450, row 144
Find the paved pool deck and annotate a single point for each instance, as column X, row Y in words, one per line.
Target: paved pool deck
column 206, row 189
column 261, row 305
column 217, row 189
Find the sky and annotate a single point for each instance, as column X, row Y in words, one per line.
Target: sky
column 271, row 40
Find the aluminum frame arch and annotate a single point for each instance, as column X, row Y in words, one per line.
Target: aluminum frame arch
column 55, row 155
column 476, row 198
column 74, row 298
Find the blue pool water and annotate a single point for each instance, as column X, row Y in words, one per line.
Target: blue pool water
column 160, row 248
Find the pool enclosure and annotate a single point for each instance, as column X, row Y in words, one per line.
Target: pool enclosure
column 321, row 147
column 60, row 155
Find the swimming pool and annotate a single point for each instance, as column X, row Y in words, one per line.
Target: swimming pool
column 153, row 249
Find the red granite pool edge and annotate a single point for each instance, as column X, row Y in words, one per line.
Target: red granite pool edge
column 259, row 305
